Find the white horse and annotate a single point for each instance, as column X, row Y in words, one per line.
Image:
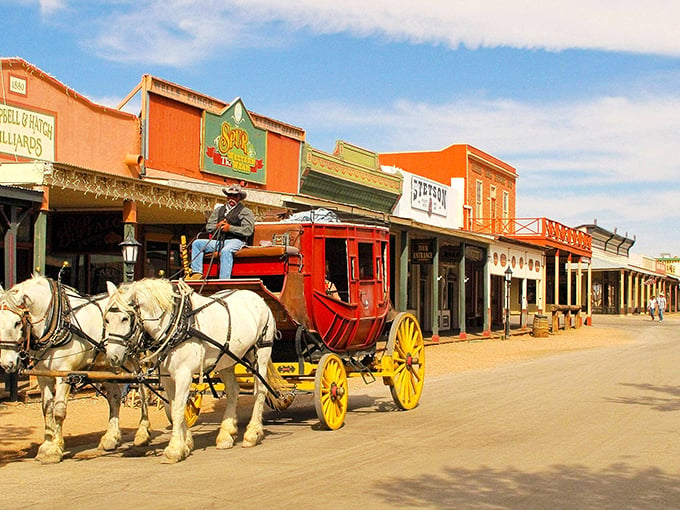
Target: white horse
column 188, row 333
column 59, row 329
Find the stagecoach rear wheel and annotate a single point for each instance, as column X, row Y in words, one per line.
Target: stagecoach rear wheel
column 406, row 347
column 330, row 391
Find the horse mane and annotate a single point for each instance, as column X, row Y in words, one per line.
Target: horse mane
column 157, row 292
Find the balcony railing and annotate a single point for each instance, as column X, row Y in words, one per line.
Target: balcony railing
column 537, row 230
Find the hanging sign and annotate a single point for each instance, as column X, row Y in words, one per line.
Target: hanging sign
column 422, row 251
column 233, row 146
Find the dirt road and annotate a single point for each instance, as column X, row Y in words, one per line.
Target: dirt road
column 521, row 423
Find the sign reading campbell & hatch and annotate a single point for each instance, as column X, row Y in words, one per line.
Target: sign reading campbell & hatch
column 26, row 133
column 233, row 146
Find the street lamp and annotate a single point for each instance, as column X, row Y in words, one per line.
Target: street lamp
column 130, row 248
column 508, row 279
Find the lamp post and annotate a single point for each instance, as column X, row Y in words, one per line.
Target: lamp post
column 508, row 279
column 130, row 248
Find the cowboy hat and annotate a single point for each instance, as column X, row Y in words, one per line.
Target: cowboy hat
column 234, row 189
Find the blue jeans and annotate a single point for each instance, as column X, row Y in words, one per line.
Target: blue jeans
column 229, row 246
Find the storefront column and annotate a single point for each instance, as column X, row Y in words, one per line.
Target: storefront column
column 461, row 293
column 622, row 288
column 435, row 290
column 40, row 234
column 487, row 295
column 579, row 282
column 636, row 293
column 629, row 294
column 524, row 313
column 402, row 295
column 569, row 303
column 540, row 288
column 589, row 315
column 557, row 278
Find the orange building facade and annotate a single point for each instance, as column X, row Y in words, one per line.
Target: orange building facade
column 490, row 184
column 101, row 174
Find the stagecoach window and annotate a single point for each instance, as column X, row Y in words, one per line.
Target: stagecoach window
column 337, row 264
column 366, row 270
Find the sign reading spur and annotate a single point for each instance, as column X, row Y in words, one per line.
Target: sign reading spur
column 233, row 146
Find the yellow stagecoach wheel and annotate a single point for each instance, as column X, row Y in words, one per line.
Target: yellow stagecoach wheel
column 193, row 408
column 407, row 348
column 330, row 392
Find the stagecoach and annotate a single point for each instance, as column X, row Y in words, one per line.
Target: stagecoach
column 325, row 337
column 273, row 322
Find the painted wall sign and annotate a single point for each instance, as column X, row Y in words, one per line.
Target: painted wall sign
column 18, row 85
column 428, row 196
column 26, row 133
column 233, row 146
column 86, row 233
column 422, row 251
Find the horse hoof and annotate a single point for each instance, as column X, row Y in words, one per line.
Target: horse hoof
column 142, row 438
column 109, row 444
column 252, row 439
column 51, row 459
column 225, row 445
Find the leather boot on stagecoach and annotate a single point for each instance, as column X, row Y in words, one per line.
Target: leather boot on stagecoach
column 194, row 276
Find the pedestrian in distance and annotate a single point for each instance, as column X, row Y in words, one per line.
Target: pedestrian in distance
column 661, row 305
column 651, row 306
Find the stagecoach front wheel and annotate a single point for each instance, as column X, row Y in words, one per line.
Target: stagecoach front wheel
column 330, row 391
column 406, row 347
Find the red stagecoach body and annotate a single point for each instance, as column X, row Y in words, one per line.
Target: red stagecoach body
column 287, row 263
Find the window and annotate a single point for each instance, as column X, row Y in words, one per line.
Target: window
column 366, row 271
column 506, row 211
column 479, row 209
column 336, row 266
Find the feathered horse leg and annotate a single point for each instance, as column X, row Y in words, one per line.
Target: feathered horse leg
column 229, row 425
column 181, row 442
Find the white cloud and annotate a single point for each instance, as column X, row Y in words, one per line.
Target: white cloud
column 178, row 32
column 610, row 158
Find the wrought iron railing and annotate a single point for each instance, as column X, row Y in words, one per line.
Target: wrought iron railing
column 542, row 229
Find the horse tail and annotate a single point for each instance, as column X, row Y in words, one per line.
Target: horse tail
column 284, row 390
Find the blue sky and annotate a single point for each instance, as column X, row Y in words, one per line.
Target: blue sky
column 582, row 97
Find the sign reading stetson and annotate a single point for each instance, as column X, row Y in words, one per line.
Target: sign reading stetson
column 428, row 196
column 26, row 133
column 233, row 146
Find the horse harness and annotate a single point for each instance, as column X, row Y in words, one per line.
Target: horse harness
column 180, row 329
column 60, row 323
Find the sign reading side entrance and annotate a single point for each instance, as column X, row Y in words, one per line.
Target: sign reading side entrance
column 422, row 251
column 233, row 146
column 86, row 233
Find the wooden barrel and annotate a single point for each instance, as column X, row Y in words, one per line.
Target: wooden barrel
column 540, row 325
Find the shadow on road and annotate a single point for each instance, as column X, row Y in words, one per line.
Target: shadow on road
column 618, row 486
column 669, row 402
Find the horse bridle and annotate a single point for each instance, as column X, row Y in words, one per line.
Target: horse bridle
column 132, row 340
column 22, row 345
